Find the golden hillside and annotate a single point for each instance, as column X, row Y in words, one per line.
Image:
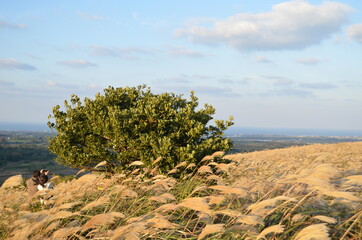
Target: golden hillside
column 310, row 192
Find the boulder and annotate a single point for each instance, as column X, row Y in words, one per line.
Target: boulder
column 13, row 181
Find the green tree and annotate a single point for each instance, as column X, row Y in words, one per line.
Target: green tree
column 132, row 124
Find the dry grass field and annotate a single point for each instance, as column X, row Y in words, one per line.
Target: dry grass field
column 309, row 192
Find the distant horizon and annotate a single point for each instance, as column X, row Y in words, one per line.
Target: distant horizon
column 233, row 130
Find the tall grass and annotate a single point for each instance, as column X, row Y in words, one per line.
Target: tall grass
column 296, row 193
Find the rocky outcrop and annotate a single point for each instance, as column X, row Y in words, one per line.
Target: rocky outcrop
column 13, row 181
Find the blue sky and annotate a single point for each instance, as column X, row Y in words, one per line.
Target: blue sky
column 270, row 64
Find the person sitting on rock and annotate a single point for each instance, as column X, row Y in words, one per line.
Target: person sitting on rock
column 43, row 181
column 44, row 185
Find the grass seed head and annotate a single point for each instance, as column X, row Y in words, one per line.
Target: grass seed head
column 216, row 199
column 269, row 203
column 167, row 207
column 316, row 231
column 181, row 164
column 160, row 222
column 101, row 164
column 197, row 204
column 63, row 233
column 298, row 217
column 136, row 163
column 157, row 160
column 325, row 219
column 129, row 193
column 98, row 220
column 205, row 170
column 218, row 154
column 354, row 180
column 229, row 190
column 158, row 199
column 250, row 219
column 99, row 202
column 271, row 229
column 211, row 228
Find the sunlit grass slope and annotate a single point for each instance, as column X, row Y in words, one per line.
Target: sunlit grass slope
column 310, row 192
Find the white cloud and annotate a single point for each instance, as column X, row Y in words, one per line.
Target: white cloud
column 351, row 84
column 4, row 24
column 93, row 86
column 6, row 83
column 141, row 19
column 204, row 90
column 201, row 76
column 173, row 80
column 193, row 78
column 102, row 51
column 215, row 91
column 261, row 59
column 129, row 53
column 33, row 57
column 51, row 90
column 90, row 17
column 310, row 61
column 318, row 85
column 61, row 86
column 290, row 25
column 231, row 81
column 11, row 63
column 52, row 83
column 280, row 81
column 355, row 32
column 182, row 78
column 289, row 92
column 77, row 63
column 182, row 51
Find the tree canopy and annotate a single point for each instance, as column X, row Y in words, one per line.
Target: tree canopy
column 132, row 124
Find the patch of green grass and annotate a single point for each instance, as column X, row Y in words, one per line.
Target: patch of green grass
column 57, row 179
column 4, row 231
column 35, row 206
column 186, row 188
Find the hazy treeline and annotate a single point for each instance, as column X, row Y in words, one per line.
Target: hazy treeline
column 17, row 146
column 11, row 154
